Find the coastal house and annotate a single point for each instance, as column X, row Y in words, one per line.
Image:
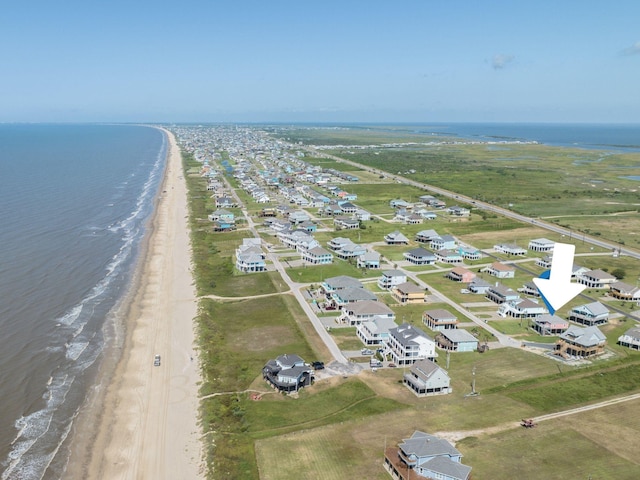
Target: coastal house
column 426, row 214
column 337, row 243
column 500, row 270
column 348, row 208
column 581, row 342
column 391, row 278
column 342, row 297
column 623, row 291
column 541, row 245
column 369, row 260
column 288, row 373
column 596, row 279
column 630, row 338
column 251, row 260
column 408, row 344
column 529, row 288
column 299, row 240
column 479, row 286
column 445, row 241
column 501, row 294
column 375, row 332
column 549, row 325
column 317, row 256
column 461, row 274
column 457, row 211
column 425, row 456
column 510, row 249
column 334, row 284
column 456, row 340
column 225, row 202
column 355, row 313
column 222, row 215
column 396, row 238
column 469, row 252
column 439, row 319
column 589, row 314
column 544, row 262
column 448, row 256
column 350, row 250
column 426, row 236
column 521, row 308
column 362, row 215
column 420, row 256
column 408, row 292
column 425, row 378
column 298, row 216
column 345, row 223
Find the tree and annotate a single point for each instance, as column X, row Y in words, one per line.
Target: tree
column 619, row 273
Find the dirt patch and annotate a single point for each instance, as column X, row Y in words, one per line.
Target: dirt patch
column 269, row 338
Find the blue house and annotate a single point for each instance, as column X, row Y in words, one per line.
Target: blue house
column 457, row 340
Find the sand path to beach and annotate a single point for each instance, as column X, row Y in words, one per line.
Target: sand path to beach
column 148, row 426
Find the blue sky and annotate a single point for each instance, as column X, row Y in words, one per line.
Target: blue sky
column 410, row 60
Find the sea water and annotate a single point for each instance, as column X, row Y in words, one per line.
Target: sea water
column 74, row 200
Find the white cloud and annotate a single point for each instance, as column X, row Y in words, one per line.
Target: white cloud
column 632, row 50
column 501, row 60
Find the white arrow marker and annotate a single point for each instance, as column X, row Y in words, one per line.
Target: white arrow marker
column 558, row 289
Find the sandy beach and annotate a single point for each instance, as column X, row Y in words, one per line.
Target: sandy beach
column 146, row 424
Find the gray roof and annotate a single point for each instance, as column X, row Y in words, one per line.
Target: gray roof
column 370, row 257
column 342, row 281
column 457, row 335
column 407, row 334
column 353, row 294
column 440, row 314
column 409, row 287
column 586, row 337
column 394, row 273
column 427, row 233
column 289, row 359
column 424, row 445
column 380, row 324
column 550, row 319
column 596, row 308
column 425, row 368
column 449, row 468
column 319, row 251
column 370, row 307
column 598, row 275
column 420, row 253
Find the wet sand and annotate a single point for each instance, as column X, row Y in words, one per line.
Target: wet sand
column 144, row 425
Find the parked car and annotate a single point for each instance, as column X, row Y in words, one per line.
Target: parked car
column 156, row 361
column 366, row 351
column 392, row 365
column 318, row 365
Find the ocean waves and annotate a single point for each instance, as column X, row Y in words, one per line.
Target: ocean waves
column 98, row 259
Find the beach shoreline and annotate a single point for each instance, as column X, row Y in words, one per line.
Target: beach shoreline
column 141, row 420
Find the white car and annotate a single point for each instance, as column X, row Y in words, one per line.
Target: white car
column 156, row 361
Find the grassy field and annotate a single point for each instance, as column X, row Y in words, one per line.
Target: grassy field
column 536, row 180
column 340, row 426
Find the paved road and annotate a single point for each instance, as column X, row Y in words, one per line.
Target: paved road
column 486, row 206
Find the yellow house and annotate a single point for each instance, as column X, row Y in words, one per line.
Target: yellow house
column 408, row 292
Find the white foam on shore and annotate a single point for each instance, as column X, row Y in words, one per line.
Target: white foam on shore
column 40, row 434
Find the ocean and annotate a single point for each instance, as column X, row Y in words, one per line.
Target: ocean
column 621, row 137
column 74, row 200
